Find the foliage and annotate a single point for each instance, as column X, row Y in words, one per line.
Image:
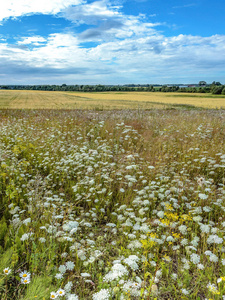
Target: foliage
column 201, row 87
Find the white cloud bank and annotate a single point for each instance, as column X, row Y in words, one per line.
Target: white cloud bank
column 149, row 59
column 129, row 49
column 17, row 8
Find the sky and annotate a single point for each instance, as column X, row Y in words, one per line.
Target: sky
column 112, row 41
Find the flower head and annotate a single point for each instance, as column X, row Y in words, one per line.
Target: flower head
column 72, row 297
column 24, row 275
column 70, row 265
column 60, row 292
column 102, row 295
column 53, row 295
column 7, row 271
column 25, row 280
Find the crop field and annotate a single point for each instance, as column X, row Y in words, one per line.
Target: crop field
column 111, row 205
column 107, row 100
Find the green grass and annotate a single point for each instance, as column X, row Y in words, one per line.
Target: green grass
column 39, row 288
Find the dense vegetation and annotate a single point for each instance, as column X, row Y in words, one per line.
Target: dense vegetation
column 214, row 88
column 112, row 205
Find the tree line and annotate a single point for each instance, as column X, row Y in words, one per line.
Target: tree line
column 215, row 88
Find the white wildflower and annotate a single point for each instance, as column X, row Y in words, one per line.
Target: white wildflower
column 59, row 276
column 214, row 239
column 7, row 271
column 85, row 274
column 200, row 266
column 183, row 229
column 62, row 269
column 60, row 292
column 72, row 297
column 70, row 265
column 68, row 286
column 205, row 228
column 53, row 295
column 184, row 291
column 213, row 258
column 101, row 295
column 202, row 196
column 195, row 258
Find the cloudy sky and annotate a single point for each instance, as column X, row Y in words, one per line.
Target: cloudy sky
column 111, row 41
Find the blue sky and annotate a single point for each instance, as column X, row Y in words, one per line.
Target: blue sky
column 112, row 41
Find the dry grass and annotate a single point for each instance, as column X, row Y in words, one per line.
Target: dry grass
column 106, row 100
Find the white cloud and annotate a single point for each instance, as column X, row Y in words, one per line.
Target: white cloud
column 17, row 8
column 130, row 49
column 110, row 23
column 35, row 40
column 91, row 13
column 154, row 58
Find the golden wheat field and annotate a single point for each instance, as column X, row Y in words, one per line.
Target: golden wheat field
column 107, row 100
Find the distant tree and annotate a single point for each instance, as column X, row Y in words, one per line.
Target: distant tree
column 217, row 83
column 183, row 89
column 217, row 90
column 201, row 83
column 150, row 88
column 201, row 90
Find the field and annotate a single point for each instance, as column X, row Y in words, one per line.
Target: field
column 107, row 100
column 111, row 205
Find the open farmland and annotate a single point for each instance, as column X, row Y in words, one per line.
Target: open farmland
column 112, row 205
column 107, row 100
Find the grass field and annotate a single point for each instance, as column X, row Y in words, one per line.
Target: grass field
column 112, row 205
column 107, row 100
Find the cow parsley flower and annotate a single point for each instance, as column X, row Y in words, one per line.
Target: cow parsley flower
column 213, row 258
column 200, row 266
column 131, row 262
column 195, row 258
column 118, row 270
column 214, row 239
column 174, row 276
column 25, row 237
column 184, row 242
column 72, row 297
column 202, row 196
column 132, row 287
column 101, row 295
column 183, row 229
column 205, row 228
column 27, row 221
column 59, row 276
column 70, row 265
column 62, row 269
column 68, row 286
column 85, row 274
column 184, row 291
column 42, row 239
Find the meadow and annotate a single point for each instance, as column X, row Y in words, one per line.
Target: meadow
column 108, row 100
column 112, row 205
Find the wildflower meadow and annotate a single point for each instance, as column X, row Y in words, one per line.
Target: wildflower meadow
column 112, row 205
